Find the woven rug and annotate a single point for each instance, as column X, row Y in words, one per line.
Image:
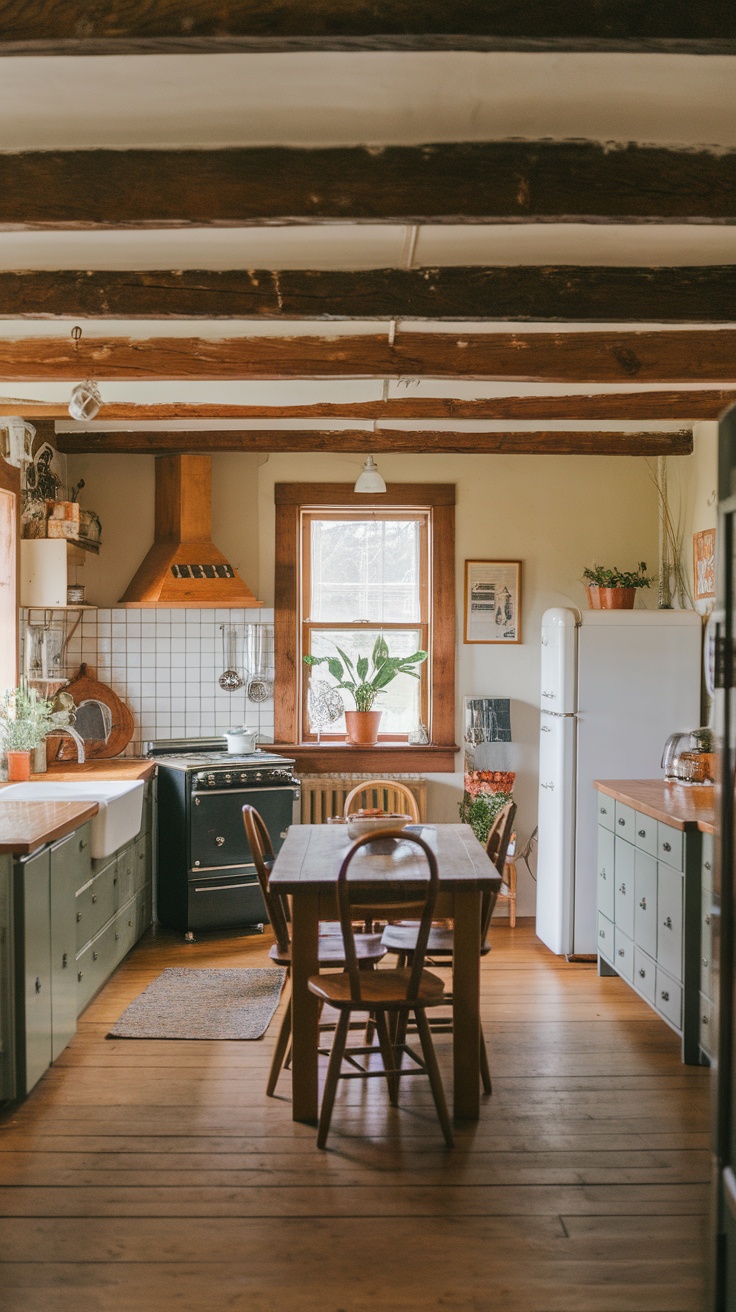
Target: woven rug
column 185, row 1003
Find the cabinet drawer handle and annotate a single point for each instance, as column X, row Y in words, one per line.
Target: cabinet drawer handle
column 602, row 873
column 94, row 898
column 642, row 973
column 668, row 922
column 80, row 974
column 115, row 880
column 707, row 920
column 643, row 904
column 705, row 961
column 64, row 961
column 622, row 888
column 219, row 842
column 79, row 916
column 704, row 1020
column 604, row 810
column 601, row 933
column 117, row 936
column 94, row 956
column 665, row 996
column 621, row 952
column 707, row 865
column 622, row 821
column 666, row 847
column 38, row 984
column 642, row 833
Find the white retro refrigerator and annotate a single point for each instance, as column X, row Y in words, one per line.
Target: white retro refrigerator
column 615, row 685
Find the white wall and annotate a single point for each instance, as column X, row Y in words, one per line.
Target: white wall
column 556, row 514
column 691, row 486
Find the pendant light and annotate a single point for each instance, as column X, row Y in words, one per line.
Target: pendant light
column 85, row 400
column 369, row 480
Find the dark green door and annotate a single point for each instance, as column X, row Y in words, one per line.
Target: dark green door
column 34, row 969
column 69, row 864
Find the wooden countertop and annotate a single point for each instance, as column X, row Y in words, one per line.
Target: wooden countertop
column 116, row 770
column 675, row 804
column 25, row 826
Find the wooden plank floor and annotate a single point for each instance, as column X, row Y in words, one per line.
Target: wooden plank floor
column 157, row 1177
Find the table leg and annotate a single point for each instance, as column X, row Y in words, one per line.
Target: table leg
column 304, row 1007
column 466, row 1005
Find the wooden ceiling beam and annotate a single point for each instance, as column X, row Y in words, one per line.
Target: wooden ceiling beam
column 144, row 26
column 465, row 182
column 705, row 294
column 606, row 356
column 182, row 442
column 680, row 404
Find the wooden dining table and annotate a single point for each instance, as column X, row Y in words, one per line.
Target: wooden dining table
column 306, row 868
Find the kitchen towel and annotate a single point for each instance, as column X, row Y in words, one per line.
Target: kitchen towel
column 187, row 1003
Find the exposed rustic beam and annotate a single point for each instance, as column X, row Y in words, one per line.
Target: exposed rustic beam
column 395, row 440
column 500, row 181
column 691, row 294
column 705, row 355
column 141, row 26
column 681, row 404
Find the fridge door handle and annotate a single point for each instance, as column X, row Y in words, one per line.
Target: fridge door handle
column 545, row 729
column 550, row 786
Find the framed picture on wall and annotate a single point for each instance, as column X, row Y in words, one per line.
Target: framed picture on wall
column 493, row 601
column 704, row 564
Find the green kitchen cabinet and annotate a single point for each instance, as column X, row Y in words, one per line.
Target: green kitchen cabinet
column 69, row 863
column 7, row 1034
column 32, row 911
column 651, row 934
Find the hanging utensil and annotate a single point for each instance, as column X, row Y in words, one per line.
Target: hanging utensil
column 260, row 682
column 229, row 680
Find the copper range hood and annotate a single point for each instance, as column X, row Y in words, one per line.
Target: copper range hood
column 184, row 567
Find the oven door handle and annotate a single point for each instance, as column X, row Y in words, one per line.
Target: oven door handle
column 223, row 888
column 255, row 788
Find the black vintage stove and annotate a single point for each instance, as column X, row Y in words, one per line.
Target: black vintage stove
column 205, row 874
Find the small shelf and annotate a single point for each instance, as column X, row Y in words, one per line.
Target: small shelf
column 47, row 567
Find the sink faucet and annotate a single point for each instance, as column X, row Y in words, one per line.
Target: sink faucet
column 67, row 728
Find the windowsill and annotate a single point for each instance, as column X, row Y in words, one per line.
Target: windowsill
column 397, row 758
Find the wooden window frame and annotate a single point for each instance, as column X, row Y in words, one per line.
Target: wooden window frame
column 438, row 499
column 9, row 582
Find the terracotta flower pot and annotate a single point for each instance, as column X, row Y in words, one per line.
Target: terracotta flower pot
column 611, row 598
column 362, row 727
column 19, row 767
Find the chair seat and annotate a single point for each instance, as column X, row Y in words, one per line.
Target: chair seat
column 403, row 938
column 331, row 950
column 379, row 988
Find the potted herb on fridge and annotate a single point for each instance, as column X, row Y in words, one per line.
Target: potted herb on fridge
column 614, row 589
column 366, row 680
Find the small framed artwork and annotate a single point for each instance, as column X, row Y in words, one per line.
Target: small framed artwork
column 493, row 601
column 704, row 564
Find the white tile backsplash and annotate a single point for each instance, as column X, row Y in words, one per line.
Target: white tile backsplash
column 166, row 666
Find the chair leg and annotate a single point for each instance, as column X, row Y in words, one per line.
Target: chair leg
column 387, row 1052
column 485, row 1070
column 370, row 1030
column 433, row 1070
column 333, row 1075
column 282, row 1043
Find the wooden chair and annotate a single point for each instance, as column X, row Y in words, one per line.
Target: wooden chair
column 401, row 939
column 507, row 892
column 392, row 794
column 401, row 992
column 367, row 947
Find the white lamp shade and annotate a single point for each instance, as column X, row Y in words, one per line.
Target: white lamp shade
column 370, row 480
column 85, row 400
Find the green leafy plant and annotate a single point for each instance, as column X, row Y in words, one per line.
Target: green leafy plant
column 25, row 719
column 479, row 812
column 598, row 577
column 366, row 679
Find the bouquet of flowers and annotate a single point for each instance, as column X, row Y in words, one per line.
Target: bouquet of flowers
column 486, row 792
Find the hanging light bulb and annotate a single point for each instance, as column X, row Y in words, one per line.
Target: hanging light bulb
column 370, row 480
column 85, row 400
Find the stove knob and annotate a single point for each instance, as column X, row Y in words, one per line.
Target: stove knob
column 259, row 774
column 228, row 778
column 243, row 778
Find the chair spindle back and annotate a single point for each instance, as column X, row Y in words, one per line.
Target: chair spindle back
column 424, row 907
column 388, row 793
column 259, row 842
column 497, row 845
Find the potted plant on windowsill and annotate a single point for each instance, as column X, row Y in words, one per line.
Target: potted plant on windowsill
column 366, row 680
column 614, row 589
column 25, row 719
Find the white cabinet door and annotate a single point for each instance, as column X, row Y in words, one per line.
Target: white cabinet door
column 555, row 869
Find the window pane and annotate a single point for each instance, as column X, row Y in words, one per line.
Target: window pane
column 365, row 570
column 400, row 700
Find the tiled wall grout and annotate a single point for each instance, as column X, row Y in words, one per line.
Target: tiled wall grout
column 165, row 664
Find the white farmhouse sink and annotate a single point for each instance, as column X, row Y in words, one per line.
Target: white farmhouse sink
column 118, row 819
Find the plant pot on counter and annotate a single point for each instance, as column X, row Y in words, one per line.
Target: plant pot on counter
column 19, row 767
column 610, row 598
column 362, row 727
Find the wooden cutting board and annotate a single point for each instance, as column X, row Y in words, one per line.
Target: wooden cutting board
column 100, row 714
